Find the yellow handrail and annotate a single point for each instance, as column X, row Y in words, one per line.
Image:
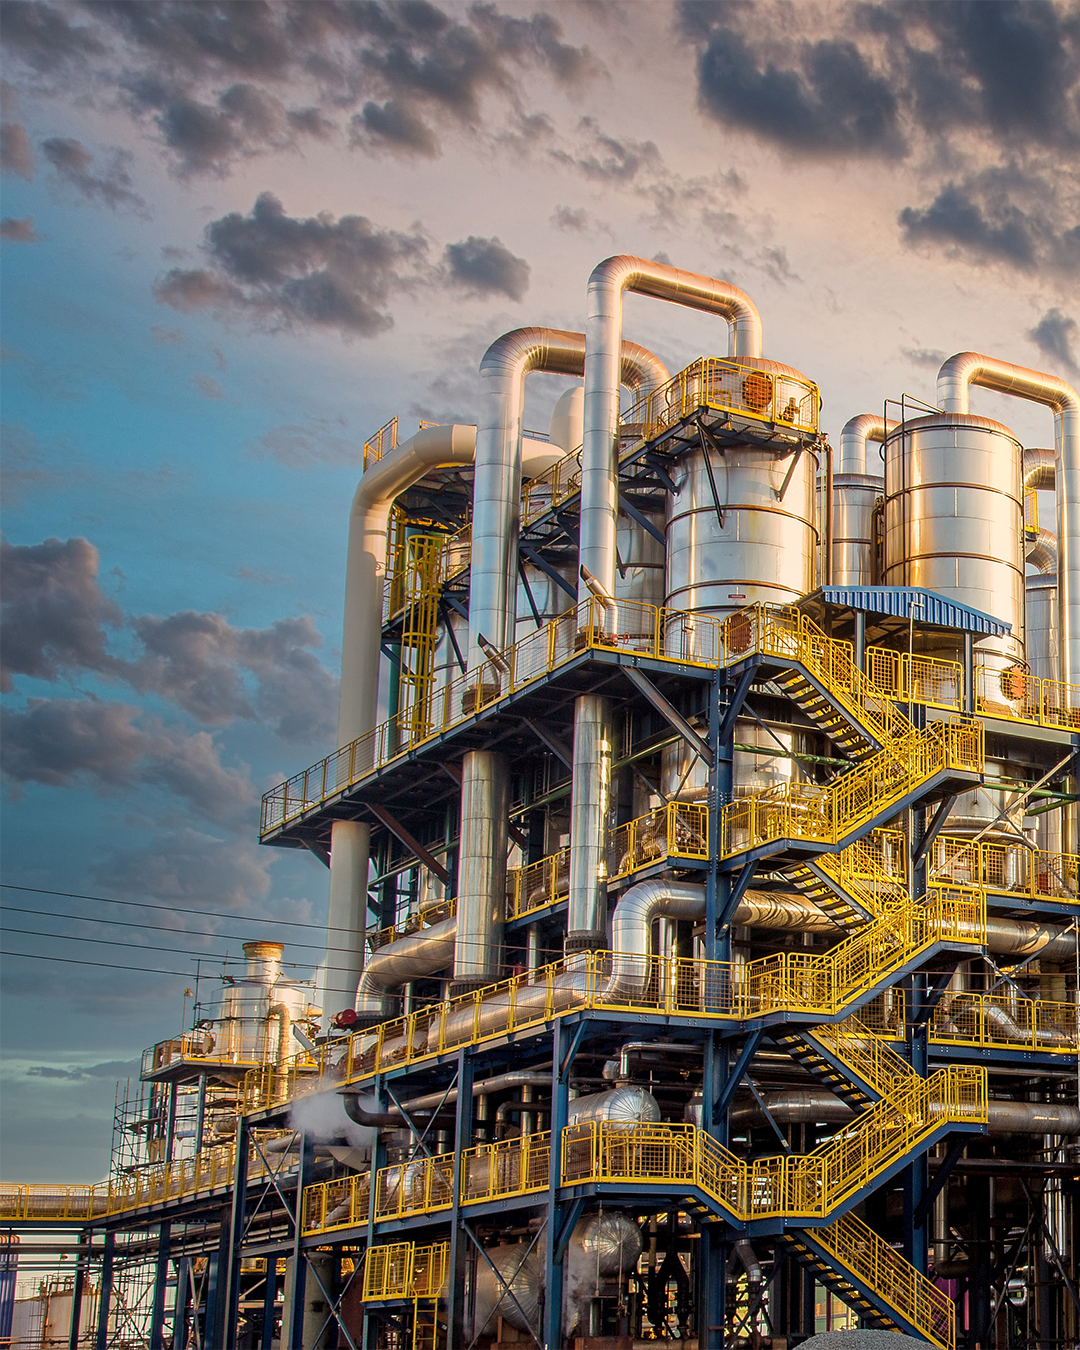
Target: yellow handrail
column 404, row 1270
column 1014, row 869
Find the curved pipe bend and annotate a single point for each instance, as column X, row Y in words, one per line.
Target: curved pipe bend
column 954, row 381
column 497, row 482
column 853, row 439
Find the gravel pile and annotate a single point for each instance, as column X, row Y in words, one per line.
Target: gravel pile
column 868, row 1339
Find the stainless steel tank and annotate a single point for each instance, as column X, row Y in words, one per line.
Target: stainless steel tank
column 620, row 1106
column 639, row 572
column 752, row 772
column 761, row 543
column 244, row 1029
column 1041, row 615
column 954, row 519
column 854, row 497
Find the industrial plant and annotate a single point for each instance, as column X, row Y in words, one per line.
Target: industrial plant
column 702, row 833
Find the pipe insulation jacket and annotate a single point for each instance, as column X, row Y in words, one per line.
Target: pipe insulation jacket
column 481, row 897
column 954, row 380
column 853, row 439
column 1040, row 469
column 819, row 1106
column 497, row 482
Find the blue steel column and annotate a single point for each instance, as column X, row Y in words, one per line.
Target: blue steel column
column 294, row 1314
column 457, row 1335
column 370, row 1329
column 231, row 1297
column 916, row 1175
column 101, row 1340
column 560, row 1100
column 161, row 1274
column 266, row 1340
column 181, row 1303
column 81, row 1262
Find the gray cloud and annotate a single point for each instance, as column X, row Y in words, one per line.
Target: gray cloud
column 72, row 162
column 24, row 468
column 320, row 271
column 64, row 742
column 210, row 78
column 191, row 867
column 16, row 153
column 930, row 357
column 575, row 220
column 486, row 267
column 1054, row 334
column 19, row 231
column 197, row 661
column 111, row 1069
column 54, row 611
column 208, row 386
column 300, row 447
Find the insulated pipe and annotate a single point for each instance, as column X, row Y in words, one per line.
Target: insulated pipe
column 408, row 958
column 853, row 439
column 631, row 929
column 1042, row 552
column 350, row 840
column 818, row 1105
column 603, row 336
column 280, row 1013
column 954, row 380
column 586, row 926
column 481, row 895
column 1040, row 470
column 497, row 483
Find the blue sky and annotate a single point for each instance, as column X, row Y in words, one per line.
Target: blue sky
column 191, row 367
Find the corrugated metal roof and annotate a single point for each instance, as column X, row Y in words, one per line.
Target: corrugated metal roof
column 928, row 607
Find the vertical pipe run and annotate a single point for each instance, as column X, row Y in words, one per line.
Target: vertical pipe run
column 586, row 922
column 603, row 346
column 343, row 963
column 481, row 901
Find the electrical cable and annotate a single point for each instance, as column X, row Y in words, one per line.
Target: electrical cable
column 156, row 927
column 105, row 965
column 134, row 946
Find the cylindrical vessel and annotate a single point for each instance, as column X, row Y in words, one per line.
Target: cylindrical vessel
column 640, row 571
column 481, row 901
column 954, row 519
column 627, row 1106
column 244, row 1029
column 1041, row 635
column 586, row 920
column 754, row 537
column 854, row 497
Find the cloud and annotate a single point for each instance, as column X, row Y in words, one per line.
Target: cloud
column 16, row 153
column 64, row 742
column 210, row 80
column 1053, row 335
column 575, row 220
column 930, row 357
column 111, row 1069
column 392, row 126
column 198, row 662
column 112, row 188
column 19, row 231
column 167, row 337
column 299, row 447
column 485, row 267
column 284, row 270
column 208, row 386
column 190, row 867
column 54, row 611
column 24, row 468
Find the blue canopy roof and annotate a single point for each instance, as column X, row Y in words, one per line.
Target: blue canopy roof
column 927, row 606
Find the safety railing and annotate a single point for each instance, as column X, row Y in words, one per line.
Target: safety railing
column 1016, row 696
column 872, row 870
column 542, row 883
column 1012, row 869
column 609, row 625
column 867, row 1055
column 874, row 1263
column 1006, row 1022
column 419, row 1187
column 379, row 937
column 401, row 1270
column 831, row 813
column 807, row 1185
column 675, row 830
column 193, row 1047
column 383, row 441
column 330, row 1205
column 46, row 1200
column 787, row 401
column 511, row 1167
column 917, row 679
column 793, row 981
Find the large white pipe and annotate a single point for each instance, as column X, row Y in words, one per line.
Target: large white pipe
column 358, row 702
column 497, row 482
column 853, row 439
column 953, row 383
column 481, row 894
column 603, row 338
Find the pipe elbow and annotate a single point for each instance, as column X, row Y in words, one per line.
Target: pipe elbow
column 959, row 372
column 1040, row 469
column 865, row 427
column 1042, row 552
column 374, row 1120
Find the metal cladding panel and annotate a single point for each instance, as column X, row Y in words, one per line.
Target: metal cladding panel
column 928, row 605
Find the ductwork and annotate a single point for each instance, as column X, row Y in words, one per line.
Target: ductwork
column 586, row 918
column 481, row 898
column 855, row 494
column 819, row 1106
column 408, row 958
column 954, row 381
column 631, row 929
column 358, row 701
column 1025, row 937
column 1040, row 470
column 1042, row 553
column 603, row 330
column 497, row 482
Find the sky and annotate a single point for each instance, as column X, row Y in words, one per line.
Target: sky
column 239, row 236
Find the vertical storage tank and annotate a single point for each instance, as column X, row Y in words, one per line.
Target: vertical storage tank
column 756, row 537
column 954, row 519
